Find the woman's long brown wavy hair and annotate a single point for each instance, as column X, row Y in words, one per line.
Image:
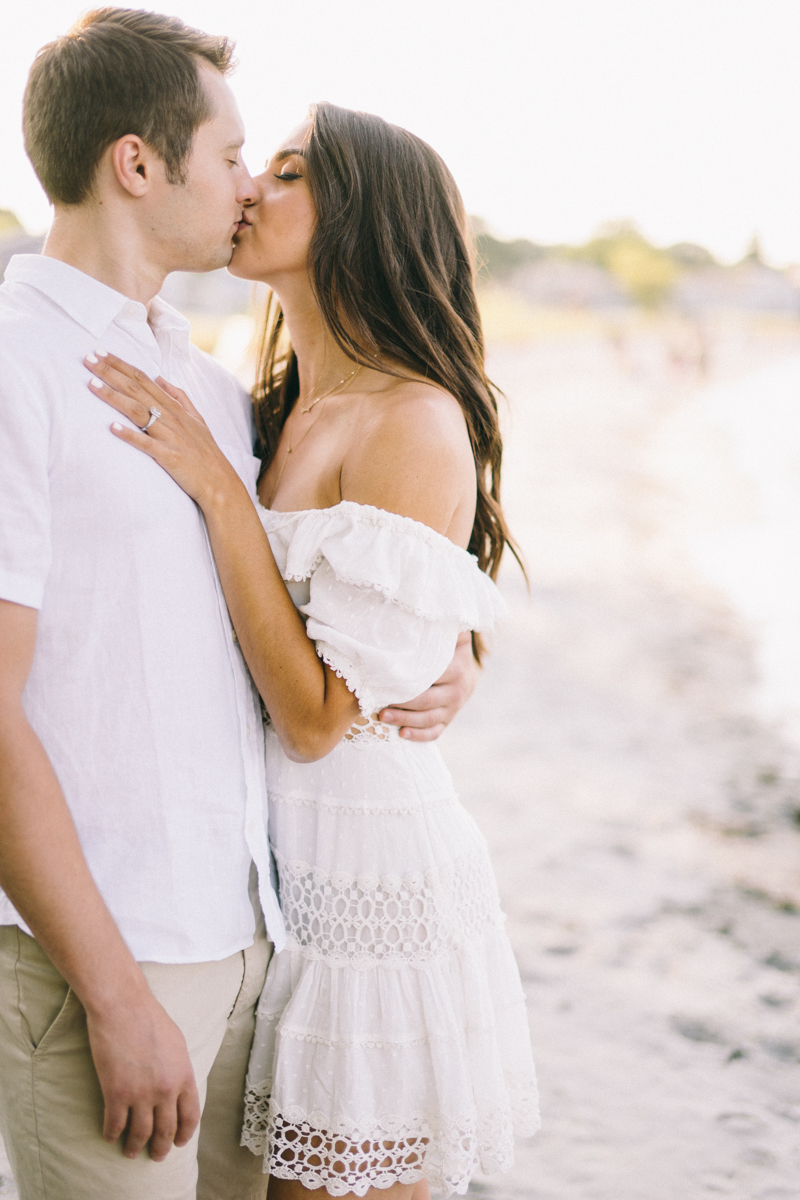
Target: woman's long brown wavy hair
column 392, row 267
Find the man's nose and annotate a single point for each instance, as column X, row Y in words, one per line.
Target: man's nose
column 247, row 192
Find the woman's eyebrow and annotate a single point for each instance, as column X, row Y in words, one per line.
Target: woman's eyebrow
column 287, row 153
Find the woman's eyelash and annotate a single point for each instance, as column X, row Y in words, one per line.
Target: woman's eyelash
column 288, row 175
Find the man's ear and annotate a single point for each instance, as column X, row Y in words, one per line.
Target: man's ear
column 133, row 163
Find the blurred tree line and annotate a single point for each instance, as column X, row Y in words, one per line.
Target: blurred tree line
column 646, row 273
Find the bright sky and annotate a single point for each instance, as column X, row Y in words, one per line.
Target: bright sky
column 554, row 115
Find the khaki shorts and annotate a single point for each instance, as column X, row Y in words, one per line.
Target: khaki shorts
column 51, row 1107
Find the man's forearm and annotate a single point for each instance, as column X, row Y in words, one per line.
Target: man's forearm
column 45, row 875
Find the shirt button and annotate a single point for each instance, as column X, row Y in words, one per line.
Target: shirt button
column 248, row 730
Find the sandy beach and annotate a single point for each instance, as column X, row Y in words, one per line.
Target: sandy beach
column 640, row 797
column 642, row 813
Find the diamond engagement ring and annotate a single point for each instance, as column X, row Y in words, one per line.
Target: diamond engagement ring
column 154, row 415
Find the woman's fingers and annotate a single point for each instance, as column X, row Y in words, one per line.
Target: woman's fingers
column 136, row 383
column 136, row 394
column 127, row 396
column 179, row 396
column 133, row 409
column 178, row 439
column 135, row 437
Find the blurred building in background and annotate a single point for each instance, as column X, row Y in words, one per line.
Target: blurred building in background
column 619, row 268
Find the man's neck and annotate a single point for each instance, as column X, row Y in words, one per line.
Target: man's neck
column 89, row 239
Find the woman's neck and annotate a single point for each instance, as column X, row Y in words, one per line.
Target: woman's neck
column 321, row 362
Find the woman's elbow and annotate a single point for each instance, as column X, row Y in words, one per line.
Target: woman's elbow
column 307, row 744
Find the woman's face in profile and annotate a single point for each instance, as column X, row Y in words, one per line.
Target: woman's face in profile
column 274, row 235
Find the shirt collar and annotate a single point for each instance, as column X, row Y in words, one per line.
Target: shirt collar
column 166, row 319
column 91, row 303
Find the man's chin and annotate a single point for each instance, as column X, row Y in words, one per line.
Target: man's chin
column 208, row 260
column 223, row 257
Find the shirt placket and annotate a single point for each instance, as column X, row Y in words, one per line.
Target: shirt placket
column 251, row 737
column 251, row 732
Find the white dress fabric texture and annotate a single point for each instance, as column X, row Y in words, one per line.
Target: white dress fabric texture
column 392, row 1040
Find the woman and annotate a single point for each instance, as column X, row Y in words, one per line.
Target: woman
column 391, row 1049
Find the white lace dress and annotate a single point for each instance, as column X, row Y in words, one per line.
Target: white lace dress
column 392, row 1040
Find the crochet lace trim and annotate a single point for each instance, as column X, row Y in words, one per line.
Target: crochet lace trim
column 369, row 730
column 367, row 921
column 381, row 1151
column 345, row 670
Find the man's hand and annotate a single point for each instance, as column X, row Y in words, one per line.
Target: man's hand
column 145, row 1075
column 427, row 717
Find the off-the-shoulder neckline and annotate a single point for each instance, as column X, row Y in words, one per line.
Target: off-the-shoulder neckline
column 367, row 509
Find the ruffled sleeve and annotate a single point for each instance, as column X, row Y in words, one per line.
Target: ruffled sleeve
column 387, row 596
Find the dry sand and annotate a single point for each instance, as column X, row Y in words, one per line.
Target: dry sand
column 641, row 815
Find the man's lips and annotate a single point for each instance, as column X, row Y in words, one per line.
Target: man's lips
column 243, row 224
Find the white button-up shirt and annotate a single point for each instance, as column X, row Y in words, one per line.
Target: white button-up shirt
column 138, row 690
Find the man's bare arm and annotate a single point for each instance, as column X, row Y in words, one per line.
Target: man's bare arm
column 139, row 1053
column 427, row 717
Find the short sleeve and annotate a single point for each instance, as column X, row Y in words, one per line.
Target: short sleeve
column 388, row 598
column 25, row 547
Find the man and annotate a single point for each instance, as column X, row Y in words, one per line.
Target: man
column 134, row 859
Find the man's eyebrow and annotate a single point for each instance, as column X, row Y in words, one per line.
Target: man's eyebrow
column 237, row 145
column 287, row 153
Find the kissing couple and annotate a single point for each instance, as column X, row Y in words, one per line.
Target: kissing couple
column 250, row 941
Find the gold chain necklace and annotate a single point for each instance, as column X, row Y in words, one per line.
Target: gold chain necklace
column 290, row 423
column 330, row 392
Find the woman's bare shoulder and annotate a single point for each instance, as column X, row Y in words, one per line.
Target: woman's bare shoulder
column 411, row 454
column 416, row 412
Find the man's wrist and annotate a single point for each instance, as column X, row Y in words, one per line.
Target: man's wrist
column 116, row 990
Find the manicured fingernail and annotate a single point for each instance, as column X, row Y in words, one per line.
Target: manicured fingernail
column 115, row 425
column 91, row 358
column 95, row 382
column 101, row 353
